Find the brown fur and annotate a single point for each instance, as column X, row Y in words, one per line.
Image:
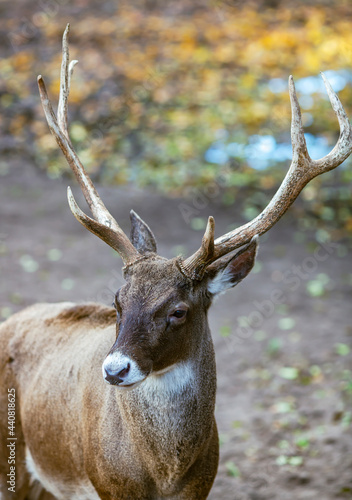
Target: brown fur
column 95, row 314
column 156, row 441
column 56, row 355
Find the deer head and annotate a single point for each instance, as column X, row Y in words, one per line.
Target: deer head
column 162, row 308
column 162, row 313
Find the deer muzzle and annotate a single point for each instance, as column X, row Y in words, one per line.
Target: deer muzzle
column 122, row 371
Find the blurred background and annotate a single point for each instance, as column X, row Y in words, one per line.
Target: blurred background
column 174, row 95
column 180, row 110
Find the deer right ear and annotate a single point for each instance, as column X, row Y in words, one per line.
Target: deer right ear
column 141, row 235
column 228, row 271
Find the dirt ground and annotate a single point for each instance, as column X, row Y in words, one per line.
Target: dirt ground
column 284, row 385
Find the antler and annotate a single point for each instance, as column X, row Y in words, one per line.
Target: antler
column 302, row 170
column 104, row 225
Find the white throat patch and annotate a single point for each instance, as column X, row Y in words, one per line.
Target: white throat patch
column 173, row 379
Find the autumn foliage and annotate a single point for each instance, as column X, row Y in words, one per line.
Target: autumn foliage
column 159, row 83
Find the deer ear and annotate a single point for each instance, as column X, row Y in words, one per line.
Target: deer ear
column 141, row 235
column 228, row 271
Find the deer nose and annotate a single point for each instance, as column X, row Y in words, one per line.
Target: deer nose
column 116, row 375
column 121, row 370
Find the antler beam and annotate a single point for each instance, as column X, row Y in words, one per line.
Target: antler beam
column 302, row 170
column 105, row 226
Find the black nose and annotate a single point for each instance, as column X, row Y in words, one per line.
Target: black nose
column 117, row 376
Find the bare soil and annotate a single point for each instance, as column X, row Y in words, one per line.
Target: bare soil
column 284, row 433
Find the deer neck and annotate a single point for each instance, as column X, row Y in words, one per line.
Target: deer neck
column 171, row 414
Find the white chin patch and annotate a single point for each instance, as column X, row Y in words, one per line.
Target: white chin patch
column 173, row 380
column 116, row 363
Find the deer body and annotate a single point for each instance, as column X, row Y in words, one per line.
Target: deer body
column 125, row 411
column 156, row 441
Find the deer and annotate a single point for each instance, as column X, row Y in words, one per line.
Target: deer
column 117, row 403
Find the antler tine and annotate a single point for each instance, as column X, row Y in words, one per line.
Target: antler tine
column 105, row 226
column 198, row 261
column 65, row 82
column 302, row 170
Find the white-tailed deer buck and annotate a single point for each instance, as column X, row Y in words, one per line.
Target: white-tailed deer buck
column 144, row 429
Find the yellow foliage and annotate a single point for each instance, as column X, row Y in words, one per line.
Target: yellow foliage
column 225, row 52
column 148, row 72
column 309, row 60
column 248, row 81
column 22, row 61
column 181, row 119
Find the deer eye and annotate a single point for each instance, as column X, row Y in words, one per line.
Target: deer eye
column 178, row 314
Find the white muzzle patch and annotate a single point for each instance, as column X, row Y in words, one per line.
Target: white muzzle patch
column 121, row 370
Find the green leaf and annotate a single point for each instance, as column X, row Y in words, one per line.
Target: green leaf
column 78, row 132
column 342, row 349
column 274, row 346
column 346, row 419
column 286, row 323
column 54, row 254
column 259, row 335
column 29, row 264
column 67, row 284
column 223, row 438
column 302, row 443
column 225, row 331
column 295, row 461
column 198, row 223
column 236, row 424
column 284, row 460
column 315, row 288
column 283, row 407
column 232, row 469
column 315, row 370
column 281, row 460
column 284, row 444
column 288, row 372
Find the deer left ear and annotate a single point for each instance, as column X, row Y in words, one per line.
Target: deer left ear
column 228, row 271
column 141, row 235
